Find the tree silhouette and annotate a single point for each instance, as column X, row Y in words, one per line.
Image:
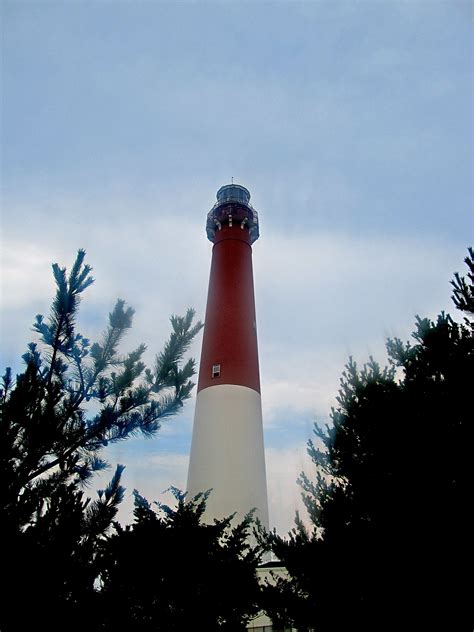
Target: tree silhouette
column 169, row 571
column 390, row 502
column 73, row 399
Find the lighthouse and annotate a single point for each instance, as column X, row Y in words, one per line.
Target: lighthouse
column 227, row 451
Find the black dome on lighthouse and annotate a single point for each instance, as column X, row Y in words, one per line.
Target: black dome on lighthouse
column 233, row 193
column 232, row 208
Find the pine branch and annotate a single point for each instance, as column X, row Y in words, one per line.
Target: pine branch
column 463, row 295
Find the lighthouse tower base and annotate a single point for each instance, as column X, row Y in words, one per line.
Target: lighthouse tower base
column 227, row 454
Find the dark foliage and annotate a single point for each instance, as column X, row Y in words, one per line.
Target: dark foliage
column 72, row 400
column 169, row 571
column 391, row 502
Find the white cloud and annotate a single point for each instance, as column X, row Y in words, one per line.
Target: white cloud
column 284, row 495
column 320, row 297
column 152, row 475
column 21, row 284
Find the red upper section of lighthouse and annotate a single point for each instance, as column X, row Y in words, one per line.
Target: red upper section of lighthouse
column 229, row 349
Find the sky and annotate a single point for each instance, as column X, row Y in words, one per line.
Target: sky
column 349, row 122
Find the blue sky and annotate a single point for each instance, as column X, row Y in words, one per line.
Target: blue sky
column 350, row 123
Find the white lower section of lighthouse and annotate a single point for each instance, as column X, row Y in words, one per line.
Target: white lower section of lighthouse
column 227, row 453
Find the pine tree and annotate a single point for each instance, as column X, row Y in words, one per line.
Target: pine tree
column 72, row 400
column 169, row 571
column 391, row 501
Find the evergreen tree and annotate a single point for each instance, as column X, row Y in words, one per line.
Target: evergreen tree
column 391, row 502
column 170, row 572
column 72, row 400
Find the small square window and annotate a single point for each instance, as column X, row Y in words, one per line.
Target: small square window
column 216, row 370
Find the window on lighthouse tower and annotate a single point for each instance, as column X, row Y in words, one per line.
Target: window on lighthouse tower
column 216, row 370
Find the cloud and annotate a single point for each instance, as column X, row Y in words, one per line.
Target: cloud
column 284, row 495
column 153, row 474
column 324, row 297
column 321, row 296
column 18, row 260
column 160, row 268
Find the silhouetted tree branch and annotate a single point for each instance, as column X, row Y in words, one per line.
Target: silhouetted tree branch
column 391, row 498
column 72, row 400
